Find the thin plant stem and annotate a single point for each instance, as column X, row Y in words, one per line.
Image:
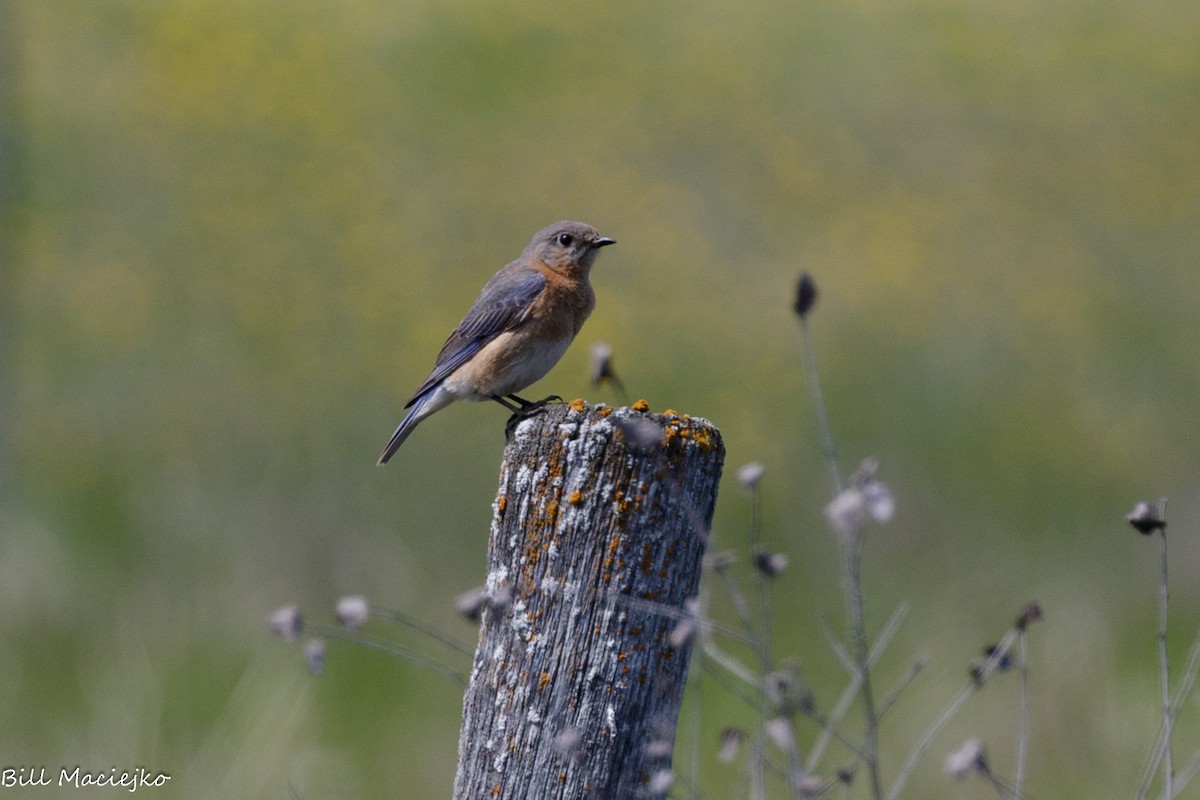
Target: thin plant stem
column 701, row 617
column 903, row 683
column 978, row 679
column 858, row 639
column 795, row 771
column 763, row 638
column 1182, row 692
column 760, row 583
column 1187, row 773
column 757, row 769
column 412, row 622
column 1023, row 721
column 1188, row 679
column 741, row 606
column 726, row 681
column 730, row 664
column 842, row 656
column 1003, row 790
column 831, row 730
column 1164, row 665
column 814, row 387
column 757, row 766
column 889, row 631
column 757, row 778
column 1161, row 752
column 418, row 658
column 877, row 648
column 852, row 558
column 696, row 729
column 1153, row 759
column 851, row 691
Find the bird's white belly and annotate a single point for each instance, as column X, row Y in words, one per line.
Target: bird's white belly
column 505, row 366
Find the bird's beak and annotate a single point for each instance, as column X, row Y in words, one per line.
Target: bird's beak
column 603, row 241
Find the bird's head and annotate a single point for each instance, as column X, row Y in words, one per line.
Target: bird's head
column 567, row 247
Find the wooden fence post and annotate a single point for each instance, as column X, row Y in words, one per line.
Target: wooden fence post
column 597, row 535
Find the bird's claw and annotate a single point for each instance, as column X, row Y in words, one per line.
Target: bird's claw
column 528, row 409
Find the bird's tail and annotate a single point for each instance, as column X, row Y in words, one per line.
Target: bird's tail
column 415, row 414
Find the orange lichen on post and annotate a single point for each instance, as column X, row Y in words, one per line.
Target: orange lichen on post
column 685, row 429
column 640, row 405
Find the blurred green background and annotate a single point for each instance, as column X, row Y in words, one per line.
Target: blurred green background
column 236, row 234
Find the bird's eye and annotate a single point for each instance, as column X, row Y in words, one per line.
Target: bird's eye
column 566, row 239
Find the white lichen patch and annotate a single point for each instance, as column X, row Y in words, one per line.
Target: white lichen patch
column 570, row 591
column 520, row 620
column 524, row 431
column 496, row 578
column 523, row 479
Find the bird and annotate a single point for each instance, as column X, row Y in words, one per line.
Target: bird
column 518, row 328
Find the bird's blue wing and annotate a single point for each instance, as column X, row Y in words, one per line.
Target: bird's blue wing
column 503, row 304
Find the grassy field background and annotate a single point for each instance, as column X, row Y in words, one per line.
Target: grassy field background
column 235, row 235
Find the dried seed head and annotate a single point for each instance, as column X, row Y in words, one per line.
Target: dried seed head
column 314, row 655
column 719, row 561
column 779, row 731
column 769, row 564
column 731, row 740
column 642, row 435
column 660, row 748
column 1030, row 614
column 847, row 512
column 877, row 497
column 787, row 690
column 287, row 623
column 811, row 785
column 806, row 295
column 602, row 366
column 1003, row 659
column 471, row 602
column 352, row 611
column 601, row 361
column 568, row 740
column 682, row 633
column 881, row 505
column 749, row 474
column 661, row 781
column 1145, row 519
column 976, row 673
column 501, row 598
column 967, row 759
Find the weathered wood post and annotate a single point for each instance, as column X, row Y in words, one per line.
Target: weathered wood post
column 597, row 535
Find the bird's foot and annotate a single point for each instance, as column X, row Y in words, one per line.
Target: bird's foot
column 535, row 404
column 525, row 410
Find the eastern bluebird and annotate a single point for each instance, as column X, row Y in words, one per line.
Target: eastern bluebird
column 520, row 325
